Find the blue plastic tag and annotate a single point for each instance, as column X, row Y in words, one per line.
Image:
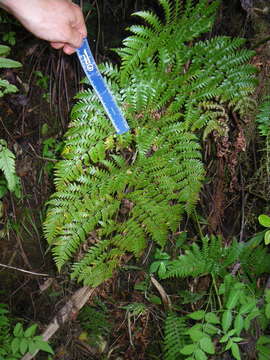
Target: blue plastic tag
column 91, row 70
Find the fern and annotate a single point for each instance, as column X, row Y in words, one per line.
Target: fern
column 7, row 165
column 5, row 86
column 134, row 188
column 175, row 337
column 211, row 258
column 263, row 117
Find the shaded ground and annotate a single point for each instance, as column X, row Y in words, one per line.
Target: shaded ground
column 38, row 112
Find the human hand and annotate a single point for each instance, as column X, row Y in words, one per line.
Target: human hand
column 58, row 21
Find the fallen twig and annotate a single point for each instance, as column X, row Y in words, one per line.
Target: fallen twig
column 68, row 312
column 24, row 271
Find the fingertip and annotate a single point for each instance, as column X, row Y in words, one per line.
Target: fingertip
column 69, row 50
column 57, row 45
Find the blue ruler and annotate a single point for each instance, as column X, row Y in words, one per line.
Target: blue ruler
column 91, row 70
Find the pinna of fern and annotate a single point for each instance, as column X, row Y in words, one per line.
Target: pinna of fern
column 130, row 189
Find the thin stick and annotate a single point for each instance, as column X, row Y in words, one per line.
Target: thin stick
column 68, row 312
column 24, row 271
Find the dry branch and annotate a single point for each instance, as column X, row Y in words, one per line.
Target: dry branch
column 67, row 312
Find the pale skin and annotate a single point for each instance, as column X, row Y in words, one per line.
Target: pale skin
column 58, row 21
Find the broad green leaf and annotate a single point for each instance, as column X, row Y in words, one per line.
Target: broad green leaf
column 237, row 339
column 229, row 344
column 267, row 237
column 263, row 352
column 162, row 269
column 15, row 345
column 263, row 340
column 212, row 318
column 23, row 346
column 210, row 329
column 200, row 355
column 226, row 336
column 246, row 308
column 233, row 299
column 226, row 320
column 154, row 299
column 252, row 315
column 267, row 311
column 197, row 315
column 238, row 324
column 43, row 345
column 235, row 351
column 4, row 50
column 264, row 220
column 7, row 165
column 161, row 255
column 207, row 345
column 154, row 266
column 188, row 349
column 30, row 332
column 32, row 347
column 8, row 63
column 195, row 334
column 18, row 330
column 267, row 295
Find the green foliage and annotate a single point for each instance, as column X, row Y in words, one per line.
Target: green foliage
column 51, row 149
column 10, row 181
column 211, row 258
column 7, row 165
column 43, row 82
column 175, row 329
column 263, row 347
column 231, row 304
column 263, row 117
column 16, row 342
column 10, row 37
column 202, row 333
column 264, row 220
column 95, row 321
column 5, row 86
column 123, row 191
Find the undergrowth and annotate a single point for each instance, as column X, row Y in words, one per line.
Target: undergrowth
column 233, row 310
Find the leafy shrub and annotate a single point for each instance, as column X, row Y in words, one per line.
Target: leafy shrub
column 16, row 342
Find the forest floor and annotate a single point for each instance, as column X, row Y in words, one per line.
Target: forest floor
column 33, row 122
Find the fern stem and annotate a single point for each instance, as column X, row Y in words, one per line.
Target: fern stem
column 216, row 290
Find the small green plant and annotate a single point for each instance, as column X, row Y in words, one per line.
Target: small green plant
column 264, row 220
column 263, row 117
column 16, row 342
column 10, row 37
column 51, row 150
column 5, row 86
column 43, row 82
column 263, row 347
column 94, row 320
column 10, row 181
column 229, row 307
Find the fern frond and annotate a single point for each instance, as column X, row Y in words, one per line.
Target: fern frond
column 211, row 258
column 263, row 117
column 7, row 165
column 175, row 336
column 135, row 188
